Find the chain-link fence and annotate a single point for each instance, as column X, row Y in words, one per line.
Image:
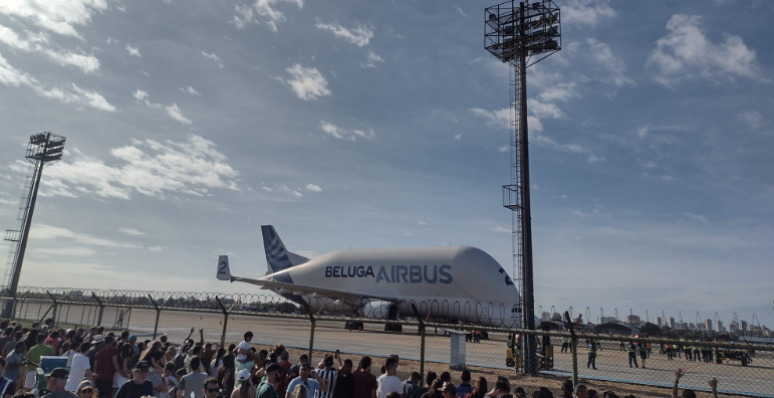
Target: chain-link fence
column 601, row 360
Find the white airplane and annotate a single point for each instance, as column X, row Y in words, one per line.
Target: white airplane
column 454, row 283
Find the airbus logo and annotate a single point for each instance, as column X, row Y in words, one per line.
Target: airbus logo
column 394, row 273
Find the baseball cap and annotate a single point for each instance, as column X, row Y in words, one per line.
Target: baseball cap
column 98, row 339
column 133, row 337
column 142, row 366
column 244, row 374
column 84, row 384
column 59, row 373
column 274, row 368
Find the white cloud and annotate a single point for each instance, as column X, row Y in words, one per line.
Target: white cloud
column 12, row 77
column 614, row 68
column 215, row 59
column 501, row 230
column 359, row 34
column 544, row 109
column 265, row 8
column 686, row 53
column 594, row 159
column 500, row 118
column 694, row 217
column 307, row 83
column 586, row 12
column 133, row 51
column 313, row 188
column 149, row 167
column 298, row 194
column 111, row 40
column 190, row 90
column 371, row 59
column 65, row 251
column 420, row 222
column 559, row 92
column 131, row 231
column 504, row 148
column 457, row 137
column 57, row 16
column 172, row 110
column 175, row 113
column 462, row 13
column 244, row 16
column 37, row 43
column 642, row 132
column 49, row 232
column 345, row 134
column 753, row 119
column 155, row 249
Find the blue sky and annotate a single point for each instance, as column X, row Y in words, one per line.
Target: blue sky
column 382, row 124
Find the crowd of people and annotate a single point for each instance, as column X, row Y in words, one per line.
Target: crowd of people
column 116, row 365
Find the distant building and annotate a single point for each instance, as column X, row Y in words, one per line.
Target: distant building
column 546, row 316
column 657, row 321
column 743, row 326
column 671, row 322
column 691, row 326
column 608, row 319
column 633, row 320
column 708, row 325
column 719, row 326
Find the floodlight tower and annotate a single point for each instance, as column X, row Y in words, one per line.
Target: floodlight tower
column 522, row 34
column 43, row 149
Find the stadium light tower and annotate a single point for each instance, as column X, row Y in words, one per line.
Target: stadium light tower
column 43, row 149
column 522, row 34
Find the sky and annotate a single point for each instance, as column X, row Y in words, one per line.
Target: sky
column 351, row 124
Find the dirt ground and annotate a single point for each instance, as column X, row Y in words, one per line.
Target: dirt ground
column 529, row 383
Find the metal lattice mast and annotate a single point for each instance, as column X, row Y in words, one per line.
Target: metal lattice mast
column 42, row 149
column 522, row 35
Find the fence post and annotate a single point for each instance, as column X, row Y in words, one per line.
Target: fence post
column 421, row 345
column 158, row 315
column 311, row 332
column 101, row 308
column 226, row 312
column 574, row 347
column 54, row 306
column 128, row 319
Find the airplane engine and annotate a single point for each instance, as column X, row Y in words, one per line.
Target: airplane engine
column 377, row 309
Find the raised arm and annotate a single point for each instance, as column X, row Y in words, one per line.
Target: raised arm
column 678, row 374
column 713, row 383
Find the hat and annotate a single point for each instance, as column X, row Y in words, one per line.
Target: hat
column 98, row 339
column 84, row 384
column 274, row 368
column 328, row 360
column 133, row 337
column 142, row 366
column 59, row 373
column 244, row 374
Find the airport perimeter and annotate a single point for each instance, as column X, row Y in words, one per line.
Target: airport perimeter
column 224, row 318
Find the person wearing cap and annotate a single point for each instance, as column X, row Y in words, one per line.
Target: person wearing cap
column 56, row 384
column 581, row 391
column 80, row 369
column 139, row 386
column 245, row 389
column 310, row 379
column 86, row 390
column 268, row 388
column 192, row 383
column 97, row 342
column 328, row 373
column 33, row 361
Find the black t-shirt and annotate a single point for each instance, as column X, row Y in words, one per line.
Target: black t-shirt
column 345, row 386
column 130, row 389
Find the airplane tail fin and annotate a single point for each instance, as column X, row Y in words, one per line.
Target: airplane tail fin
column 277, row 257
column 224, row 272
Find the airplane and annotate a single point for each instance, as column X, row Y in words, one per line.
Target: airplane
column 457, row 284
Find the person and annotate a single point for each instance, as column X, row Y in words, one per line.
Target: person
column 106, row 365
column 54, row 341
column 345, row 384
column 286, row 365
column 138, row 386
column 329, row 374
column 135, row 347
column 217, row 362
column 365, row 382
column 32, row 339
column 301, row 391
column 393, row 395
column 450, row 391
column 246, row 388
column 170, row 355
column 11, row 345
column 211, row 388
column 310, row 379
column 56, row 383
column 177, row 375
column 592, row 359
column 479, row 390
column 33, row 359
column 593, row 393
column 85, row 390
column 245, row 357
column 581, row 391
column 464, row 388
column 565, row 344
column 429, row 379
column 14, row 362
column 155, row 376
column 411, row 384
column 519, row 392
column 643, row 352
column 268, row 388
column 80, row 369
column 192, row 383
column 227, row 374
column 169, row 379
column 502, row 386
column 631, row 348
column 7, row 386
column 295, row 370
column 435, row 390
column 445, row 377
column 96, row 344
column 388, row 382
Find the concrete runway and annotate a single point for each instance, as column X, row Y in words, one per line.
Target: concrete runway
column 612, row 364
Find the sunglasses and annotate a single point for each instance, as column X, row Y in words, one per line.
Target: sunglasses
column 213, row 390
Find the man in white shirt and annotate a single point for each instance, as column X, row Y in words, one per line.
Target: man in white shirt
column 388, row 382
column 245, row 357
column 80, row 369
